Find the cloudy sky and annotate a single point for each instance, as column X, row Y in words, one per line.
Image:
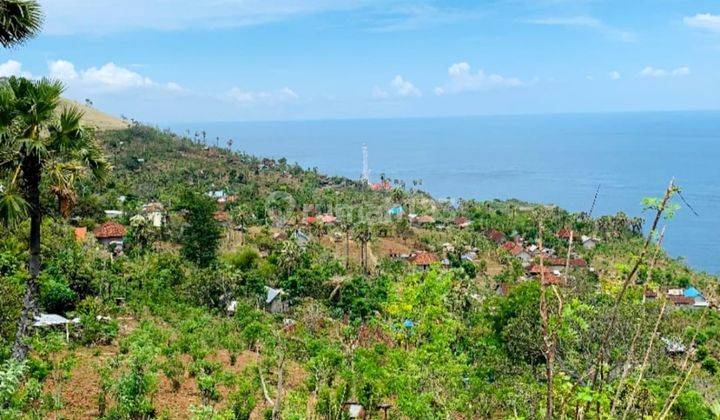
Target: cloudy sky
column 164, row 61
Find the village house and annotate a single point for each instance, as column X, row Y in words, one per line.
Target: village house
column 396, row 211
column 275, row 301
column 113, row 214
column 565, row 234
column 546, row 274
column 559, row 263
column 381, row 186
column 689, row 297
column 496, row 236
column 589, row 242
column 425, row 220
column 301, row 239
column 423, row 259
column 516, row 250
column 110, row 234
column 155, row 213
column 327, row 219
column 462, row 222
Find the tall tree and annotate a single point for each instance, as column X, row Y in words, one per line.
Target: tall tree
column 201, row 236
column 19, row 20
column 37, row 142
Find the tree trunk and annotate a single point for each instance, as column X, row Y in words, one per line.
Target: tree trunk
column 29, row 310
column 347, row 249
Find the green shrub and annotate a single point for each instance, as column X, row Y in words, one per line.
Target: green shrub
column 174, row 370
column 56, row 296
column 241, row 402
column 207, row 385
column 95, row 327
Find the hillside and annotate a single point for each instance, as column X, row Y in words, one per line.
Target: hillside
column 96, row 118
column 270, row 291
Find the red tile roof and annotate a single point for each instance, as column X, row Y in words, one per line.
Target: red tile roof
column 508, row 245
column 80, row 233
column 461, row 220
column 109, row 230
column 564, row 233
column 535, row 269
column 495, row 236
column 574, row 262
column 424, row 258
column 550, row 278
column 681, row 300
column 513, row 248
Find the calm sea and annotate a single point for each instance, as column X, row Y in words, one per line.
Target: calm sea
column 560, row 159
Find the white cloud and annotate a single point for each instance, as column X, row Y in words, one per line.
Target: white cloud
column 247, row 97
column 614, row 75
column 62, row 70
column 378, row 93
column 398, row 88
column 586, row 22
column 463, row 79
column 705, row 21
column 106, row 78
column 404, row 88
column 681, row 71
column 115, row 77
column 12, row 68
column 650, row 71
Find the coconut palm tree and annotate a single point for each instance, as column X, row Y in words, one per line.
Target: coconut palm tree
column 37, row 142
column 19, row 20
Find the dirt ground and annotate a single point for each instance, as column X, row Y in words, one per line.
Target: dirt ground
column 79, row 393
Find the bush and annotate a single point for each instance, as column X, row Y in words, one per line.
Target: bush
column 174, row 370
column 96, row 329
column 56, row 295
column 207, row 385
column 245, row 258
column 241, row 402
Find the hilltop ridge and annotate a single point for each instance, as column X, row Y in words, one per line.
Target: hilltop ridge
column 96, row 118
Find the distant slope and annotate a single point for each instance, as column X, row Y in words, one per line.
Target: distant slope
column 95, row 118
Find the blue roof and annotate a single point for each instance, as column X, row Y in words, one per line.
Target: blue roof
column 395, row 210
column 692, row 292
column 408, row 323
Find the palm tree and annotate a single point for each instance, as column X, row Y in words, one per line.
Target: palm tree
column 37, row 142
column 346, row 225
column 363, row 234
column 19, row 20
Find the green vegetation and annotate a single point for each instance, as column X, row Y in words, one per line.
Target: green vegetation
column 178, row 325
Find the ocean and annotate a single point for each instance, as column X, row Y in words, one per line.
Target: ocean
column 558, row 159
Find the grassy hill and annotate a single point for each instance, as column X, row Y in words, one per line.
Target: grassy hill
column 96, row 118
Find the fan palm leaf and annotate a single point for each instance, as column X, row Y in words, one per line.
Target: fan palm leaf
column 19, row 20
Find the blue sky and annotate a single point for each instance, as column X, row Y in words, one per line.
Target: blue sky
column 164, row 61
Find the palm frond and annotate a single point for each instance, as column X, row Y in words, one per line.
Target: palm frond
column 13, row 207
column 19, row 20
column 67, row 133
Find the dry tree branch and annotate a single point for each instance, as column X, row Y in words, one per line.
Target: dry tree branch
column 615, row 310
column 687, row 364
column 638, row 329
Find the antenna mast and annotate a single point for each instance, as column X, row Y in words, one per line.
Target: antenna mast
column 365, row 167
